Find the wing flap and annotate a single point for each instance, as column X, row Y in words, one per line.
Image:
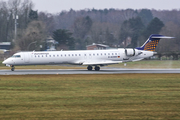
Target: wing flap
column 101, row 63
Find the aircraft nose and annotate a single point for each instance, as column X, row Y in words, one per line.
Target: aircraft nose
column 5, row 61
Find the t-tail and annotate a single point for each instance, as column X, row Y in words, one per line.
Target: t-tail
column 152, row 42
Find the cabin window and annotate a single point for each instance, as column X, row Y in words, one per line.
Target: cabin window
column 101, row 54
column 46, row 55
column 89, row 54
column 69, row 55
column 112, row 54
column 79, row 54
column 94, row 54
column 104, row 53
column 115, row 53
column 97, row 54
column 108, row 53
column 57, row 55
column 65, row 55
column 61, row 55
column 42, row 55
column 72, row 55
column 49, row 55
column 84, row 54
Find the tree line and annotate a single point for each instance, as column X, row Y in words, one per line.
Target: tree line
column 76, row 29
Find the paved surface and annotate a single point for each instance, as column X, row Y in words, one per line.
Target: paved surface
column 83, row 71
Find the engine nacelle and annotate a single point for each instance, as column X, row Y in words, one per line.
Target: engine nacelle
column 131, row 52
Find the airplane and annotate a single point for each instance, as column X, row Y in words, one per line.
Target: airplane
column 89, row 58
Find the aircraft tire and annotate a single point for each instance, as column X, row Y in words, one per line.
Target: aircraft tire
column 12, row 69
column 97, row 68
column 89, row 68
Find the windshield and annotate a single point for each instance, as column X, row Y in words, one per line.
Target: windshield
column 16, row 56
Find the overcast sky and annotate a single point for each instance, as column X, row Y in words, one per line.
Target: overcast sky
column 55, row 6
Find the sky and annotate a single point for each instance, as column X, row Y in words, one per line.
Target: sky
column 56, row 6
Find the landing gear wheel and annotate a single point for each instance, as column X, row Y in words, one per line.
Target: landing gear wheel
column 89, row 68
column 12, row 68
column 97, row 68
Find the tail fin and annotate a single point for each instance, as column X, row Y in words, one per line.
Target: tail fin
column 152, row 42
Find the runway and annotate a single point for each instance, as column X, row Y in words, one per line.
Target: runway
column 84, row 71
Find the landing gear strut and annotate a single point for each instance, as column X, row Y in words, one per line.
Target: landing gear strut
column 12, row 68
column 89, row 67
column 97, row 68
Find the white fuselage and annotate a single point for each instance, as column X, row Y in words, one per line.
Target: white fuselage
column 79, row 57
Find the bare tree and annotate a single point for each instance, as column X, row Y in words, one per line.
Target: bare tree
column 173, row 45
column 48, row 19
column 9, row 11
column 35, row 32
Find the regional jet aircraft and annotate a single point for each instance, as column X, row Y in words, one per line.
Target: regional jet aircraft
column 89, row 58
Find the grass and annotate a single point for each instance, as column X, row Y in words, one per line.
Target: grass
column 123, row 96
column 146, row 64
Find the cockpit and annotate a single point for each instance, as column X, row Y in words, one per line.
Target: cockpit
column 16, row 56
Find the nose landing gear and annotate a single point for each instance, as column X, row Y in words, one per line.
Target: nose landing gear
column 12, row 68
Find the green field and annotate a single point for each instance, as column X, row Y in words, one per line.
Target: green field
column 146, row 64
column 123, row 96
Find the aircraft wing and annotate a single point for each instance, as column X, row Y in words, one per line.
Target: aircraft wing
column 101, row 62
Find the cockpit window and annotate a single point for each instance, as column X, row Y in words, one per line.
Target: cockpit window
column 16, row 56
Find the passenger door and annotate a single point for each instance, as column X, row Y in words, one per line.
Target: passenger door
column 26, row 58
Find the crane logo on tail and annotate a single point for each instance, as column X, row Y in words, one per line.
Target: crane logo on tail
column 151, row 45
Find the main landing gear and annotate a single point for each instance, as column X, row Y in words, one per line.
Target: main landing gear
column 96, row 68
column 12, row 68
column 89, row 68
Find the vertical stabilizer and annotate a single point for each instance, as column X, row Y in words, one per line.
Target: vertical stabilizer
column 152, row 42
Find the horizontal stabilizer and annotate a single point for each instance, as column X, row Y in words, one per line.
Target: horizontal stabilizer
column 161, row 37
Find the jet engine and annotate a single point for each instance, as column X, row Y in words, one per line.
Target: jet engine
column 131, row 52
